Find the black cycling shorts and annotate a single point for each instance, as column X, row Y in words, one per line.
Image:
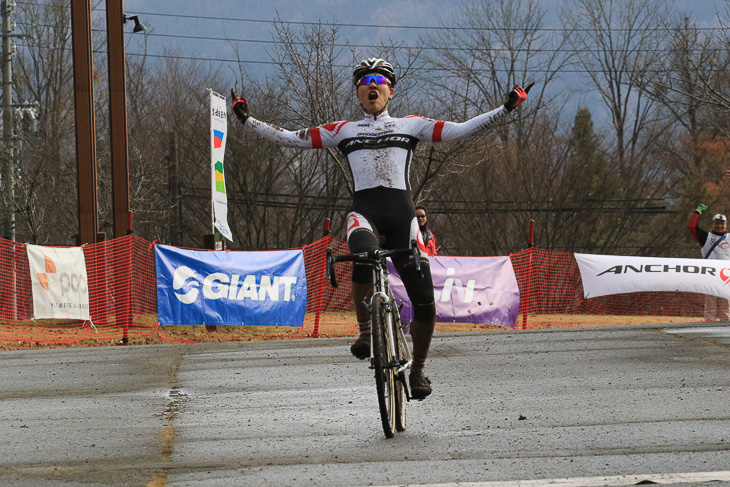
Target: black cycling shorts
column 380, row 217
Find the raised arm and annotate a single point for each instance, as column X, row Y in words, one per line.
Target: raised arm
column 286, row 138
column 304, row 138
column 699, row 234
column 444, row 131
column 456, row 130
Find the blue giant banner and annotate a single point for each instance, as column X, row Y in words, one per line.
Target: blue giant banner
column 197, row 287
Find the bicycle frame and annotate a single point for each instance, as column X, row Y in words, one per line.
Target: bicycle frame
column 381, row 288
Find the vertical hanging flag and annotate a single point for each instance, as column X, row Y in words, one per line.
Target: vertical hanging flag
column 218, row 132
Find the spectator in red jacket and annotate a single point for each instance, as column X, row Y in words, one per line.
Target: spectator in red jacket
column 715, row 245
column 428, row 239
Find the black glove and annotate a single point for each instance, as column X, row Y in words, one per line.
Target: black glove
column 239, row 107
column 517, row 96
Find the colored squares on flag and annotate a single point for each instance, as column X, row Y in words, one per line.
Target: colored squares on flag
column 220, row 183
column 217, row 139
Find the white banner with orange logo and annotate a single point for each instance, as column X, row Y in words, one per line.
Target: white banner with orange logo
column 613, row 274
column 59, row 283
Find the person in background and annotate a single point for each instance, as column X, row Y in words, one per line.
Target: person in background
column 715, row 245
column 428, row 239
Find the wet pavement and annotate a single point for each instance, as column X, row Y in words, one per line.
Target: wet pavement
column 582, row 406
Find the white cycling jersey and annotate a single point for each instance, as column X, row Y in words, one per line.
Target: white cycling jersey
column 378, row 149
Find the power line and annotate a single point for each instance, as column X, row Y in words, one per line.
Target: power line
column 381, row 26
column 343, row 66
column 448, row 207
column 415, row 27
column 408, row 48
column 300, row 43
column 404, row 47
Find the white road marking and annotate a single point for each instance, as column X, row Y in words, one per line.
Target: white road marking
column 661, row 479
column 710, row 331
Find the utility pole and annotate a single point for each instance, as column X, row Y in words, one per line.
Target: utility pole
column 85, row 123
column 8, row 159
column 25, row 110
column 173, row 187
column 115, row 20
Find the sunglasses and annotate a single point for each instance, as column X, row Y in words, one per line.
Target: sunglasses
column 420, row 216
column 379, row 80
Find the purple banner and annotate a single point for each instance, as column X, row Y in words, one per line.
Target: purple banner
column 467, row 290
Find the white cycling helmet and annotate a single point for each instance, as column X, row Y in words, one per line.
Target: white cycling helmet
column 374, row 65
column 720, row 217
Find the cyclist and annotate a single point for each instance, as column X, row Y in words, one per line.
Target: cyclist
column 379, row 150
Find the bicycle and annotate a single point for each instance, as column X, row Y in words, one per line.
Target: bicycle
column 390, row 357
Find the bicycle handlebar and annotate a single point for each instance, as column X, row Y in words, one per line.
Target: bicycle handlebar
column 374, row 256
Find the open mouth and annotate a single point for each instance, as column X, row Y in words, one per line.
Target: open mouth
column 373, row 95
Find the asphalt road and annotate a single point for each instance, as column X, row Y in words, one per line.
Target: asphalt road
column 583, row 406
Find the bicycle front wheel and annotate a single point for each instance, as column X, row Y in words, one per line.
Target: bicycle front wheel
column 382, row 363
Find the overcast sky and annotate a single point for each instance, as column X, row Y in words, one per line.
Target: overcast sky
column 189, row 25
column 235, row 20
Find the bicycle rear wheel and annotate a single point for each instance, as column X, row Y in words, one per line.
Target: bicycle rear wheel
column 382, row 361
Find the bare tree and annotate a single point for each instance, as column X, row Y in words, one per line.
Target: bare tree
column 620, row 46
column 692, row 71
column 496, row 178
column 180, row 105
column 697, row 69
column 46, row 166
column 496, row 45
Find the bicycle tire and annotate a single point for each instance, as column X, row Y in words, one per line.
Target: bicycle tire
column 382, row 360
column 400, row 388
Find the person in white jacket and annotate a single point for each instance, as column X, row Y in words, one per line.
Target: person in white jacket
column 715, row 245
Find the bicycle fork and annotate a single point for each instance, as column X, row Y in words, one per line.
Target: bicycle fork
column 407, row 361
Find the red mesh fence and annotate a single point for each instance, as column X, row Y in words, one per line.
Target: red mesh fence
column 123, row 298
column 330, row 311
column 122, row 295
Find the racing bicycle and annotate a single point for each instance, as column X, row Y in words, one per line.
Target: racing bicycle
column 390, row 357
